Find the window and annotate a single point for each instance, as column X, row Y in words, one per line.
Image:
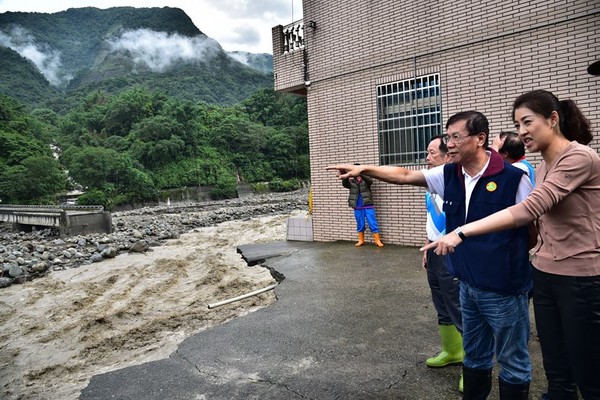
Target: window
column 409, row 113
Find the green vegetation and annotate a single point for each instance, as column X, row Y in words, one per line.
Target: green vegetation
column 127, row 130
column 125, row 148
column 28, row 172
column 20, row 78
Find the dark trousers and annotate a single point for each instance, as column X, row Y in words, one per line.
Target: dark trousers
column 567, row 317
column 445, row 291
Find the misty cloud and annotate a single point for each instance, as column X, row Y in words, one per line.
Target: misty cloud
column 159, row 50
column 45, row 59
column 240, row 57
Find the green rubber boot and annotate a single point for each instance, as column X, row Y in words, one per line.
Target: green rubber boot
column 452, row 349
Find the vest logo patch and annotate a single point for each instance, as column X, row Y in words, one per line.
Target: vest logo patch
column 491, row 186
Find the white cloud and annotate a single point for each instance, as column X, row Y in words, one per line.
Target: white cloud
column 241, row 57
column 159, row 50
column 45, row 59
column 219, row 19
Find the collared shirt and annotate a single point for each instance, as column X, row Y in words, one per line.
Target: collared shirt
column 435, row 183
column 471, row 181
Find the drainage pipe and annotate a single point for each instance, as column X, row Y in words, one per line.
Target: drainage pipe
column 242, row 297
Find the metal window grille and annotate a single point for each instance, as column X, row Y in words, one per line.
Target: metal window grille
column 409, row 113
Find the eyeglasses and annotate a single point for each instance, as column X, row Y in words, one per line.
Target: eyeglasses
column 455, row 137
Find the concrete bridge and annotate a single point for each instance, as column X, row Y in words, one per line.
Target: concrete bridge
column 68, row 219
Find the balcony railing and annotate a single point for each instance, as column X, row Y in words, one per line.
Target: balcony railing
column 293, row 37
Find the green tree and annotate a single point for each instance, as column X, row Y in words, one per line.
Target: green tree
column 236, row 134
column 110, row 171
column 36, row 179
column 44, row 123
column 282, row 155
column 96, row 197
column 225, row 187
column 128, row 108
column 137, row 186
column 15, row 147
column 94, row 167
column 272, row 108
column 157, row 141
column 204, row 169
column 17, row 142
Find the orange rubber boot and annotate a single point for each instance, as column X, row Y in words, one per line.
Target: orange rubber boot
column 361, row 239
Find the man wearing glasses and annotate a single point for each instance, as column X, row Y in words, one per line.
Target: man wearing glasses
column 493, row 269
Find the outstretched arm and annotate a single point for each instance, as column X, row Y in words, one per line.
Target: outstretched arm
column 496, row 222
column 395, row 175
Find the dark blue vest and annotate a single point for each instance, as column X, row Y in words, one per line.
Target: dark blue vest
column 497, row 262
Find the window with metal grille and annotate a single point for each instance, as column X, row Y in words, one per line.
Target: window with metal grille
column 409, row 113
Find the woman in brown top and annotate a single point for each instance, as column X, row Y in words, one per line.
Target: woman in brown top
column 565, row 206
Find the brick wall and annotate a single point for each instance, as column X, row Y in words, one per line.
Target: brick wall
column 291, row 77
column 487, row 53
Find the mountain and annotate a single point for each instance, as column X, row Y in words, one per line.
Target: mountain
column 262, row 62
column 20, row 78
column 45, row 56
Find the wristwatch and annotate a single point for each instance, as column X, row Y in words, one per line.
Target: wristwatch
column 460, row 233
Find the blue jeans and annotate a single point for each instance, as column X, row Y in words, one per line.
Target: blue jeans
column 369, row 215
column 496, row 324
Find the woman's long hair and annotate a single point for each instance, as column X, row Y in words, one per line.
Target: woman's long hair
column 573, row 124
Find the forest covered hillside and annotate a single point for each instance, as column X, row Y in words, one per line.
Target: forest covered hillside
column 83, row 49
column 128, row 103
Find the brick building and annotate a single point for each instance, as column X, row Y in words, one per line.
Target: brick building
column 381, row 77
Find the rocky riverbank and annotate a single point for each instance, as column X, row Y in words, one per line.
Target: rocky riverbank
column 25, row 256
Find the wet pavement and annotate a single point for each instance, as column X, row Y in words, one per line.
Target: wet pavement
column 348, row 323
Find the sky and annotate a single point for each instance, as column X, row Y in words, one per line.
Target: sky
column 238, row 25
